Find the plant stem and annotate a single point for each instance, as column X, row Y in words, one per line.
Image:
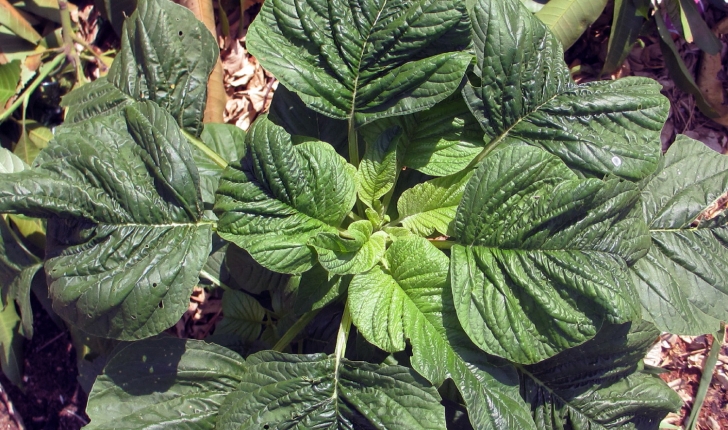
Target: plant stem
column 69, row 37
column 710, row 361
column 341, row 340
column 47, row 69
column 214, row 280
column 214, row 156
column 295, row 329
column 354, row 155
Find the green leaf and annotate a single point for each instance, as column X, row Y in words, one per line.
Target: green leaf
column 702, row 34
column 364, row 60
column 440, row 141
column 411, row 299
column 242, row 317
column 569, row 19
column 166, row 56
column 289, row 111
column 15, row 22
column 280, row 196
column 115, row 11
column 318, row 391
column 9, row 77
column 226, row 140
column 11, row 345
column 599, row 384
column 11, row 163
column 378, row 169
column 532, row 5
column 35, row 138
column 126, row 240
column 19, row 291
column 430, row 207
column 318, row 288
column 627, row 25
column 354, row 251
column 682, row 281
column 249, row 275
column 525, row 94
column 541, row 259
column 165, row 383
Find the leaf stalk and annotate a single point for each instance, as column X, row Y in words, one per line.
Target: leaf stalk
column 214, row 156
column 295, row 329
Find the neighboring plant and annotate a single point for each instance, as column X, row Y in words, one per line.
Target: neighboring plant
column 490, row 240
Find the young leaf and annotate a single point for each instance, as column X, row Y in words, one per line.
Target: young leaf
column 682, row 281
column 226, row 140
column 378, row 169
column 569, row 19
column 165, row 383
column 430, row 207
column 166, row 56
column 281, row 196
column 600, row 384
column 355, row 251
column 541, row 259
column 243, row 317
column 318, row 391
column 525, row 94
column 439, row 141
column 11, row 345
column 411, row 299
column 368, row 59
column 126, row 239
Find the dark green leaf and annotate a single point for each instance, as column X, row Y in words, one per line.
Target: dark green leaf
column 683, row 280
column 541, row 259
column 228, row 141
column 281, row 196
column 569, row 19
column 126, row 240
column 11, row 345
column 165, row 383
column 368, row 59
column 525, row 94
column 702, row 34
column 599, row 384
column 411, row 299
column 242, row 317
column 249, row 275
column 316, row 391
column 166, row 56
column 627, row 25
column 115, row 11
column 318, row 288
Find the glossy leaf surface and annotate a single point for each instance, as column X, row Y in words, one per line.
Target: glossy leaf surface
column 318, row 391
column 410, row 299
column 367, row 59
column 541, row 259
column 525, row 94
column 354, row 251
column 283, row 195
column 126, row 239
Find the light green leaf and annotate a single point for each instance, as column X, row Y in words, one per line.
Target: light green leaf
column 364, row 60
column 411, row 299
column 126, row 240
column 378, row 169
column 683, row 280
column 525, row 94
column 242, row 317
column 318, row 391
column 430, row 207
column 13, row 20
column 35, row 138
column 532, row 5
column 11, row 163
column 600, row 384
column 226, row 140
column 354, row 251
column 166, row 56
column 541, row 260
column 11, row 345
column 439, row 141
column 9, row 77
column 164, row 383
column 569, row 19
column 281, row 196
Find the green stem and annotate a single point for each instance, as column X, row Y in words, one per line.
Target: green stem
column 214, row 280
column 47, row 69
column 341, row 339
column 69, row 37
column 214, row 156
column 354, row 156
column 295, row 329
column 484, row 153
column 710, row 361
column 442, row 244
column 388, row 197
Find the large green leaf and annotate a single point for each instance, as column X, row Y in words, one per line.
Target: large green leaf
column 683, row 280
column 367, row 59
column 378, row 169
column 228, row 141
column 541, row 259
column 242, row 318
column 439, row 141
column 164, row 383
column 430, row 207
column 630, row 16
column 569, row 19
column 411, row 299
column 166, row 56
column 525, row 94
column 599, row 384
column 280, row 196
column 354, row 251
column 126, row 239
column 319, row 391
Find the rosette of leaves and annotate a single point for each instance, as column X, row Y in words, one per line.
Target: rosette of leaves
column 490, row 228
